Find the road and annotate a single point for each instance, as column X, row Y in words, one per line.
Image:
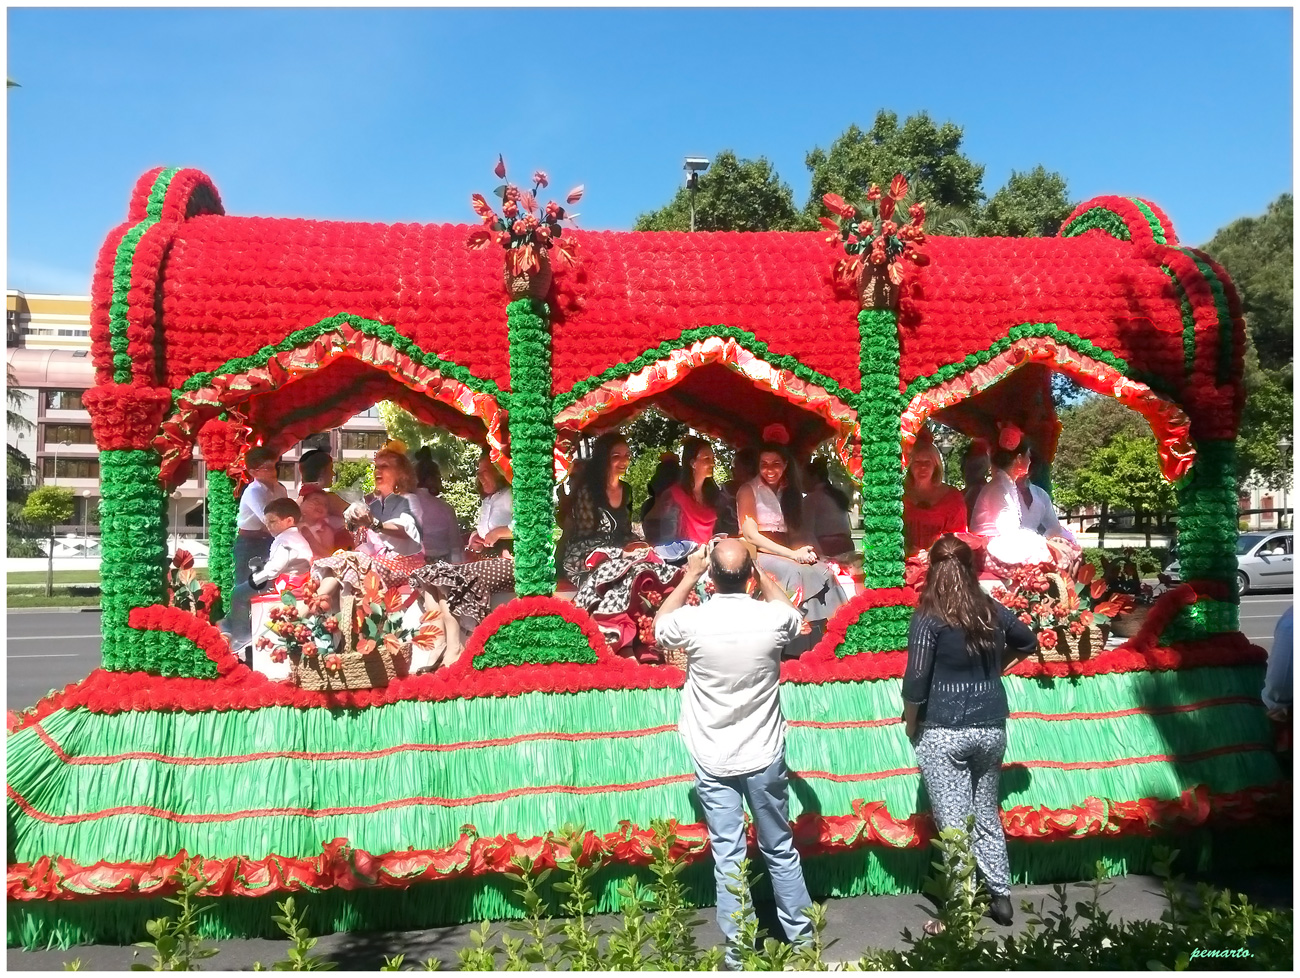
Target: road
column 49, row 649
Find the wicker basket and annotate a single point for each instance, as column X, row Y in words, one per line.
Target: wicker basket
column 1071, row 648
column 536, row 284
column 675, row 657
column 373, row 671
column 875, row 291
column 1126, row 626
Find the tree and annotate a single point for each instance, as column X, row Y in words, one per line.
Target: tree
column 1086, row 427
column 1258, row 254
column 732, row 195
column 1030, row 205
column 1125, row 473
column 928, row 155
column 49, row 506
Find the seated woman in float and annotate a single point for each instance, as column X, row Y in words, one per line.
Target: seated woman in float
column 931, row 507
column 612, row 569
column 687, row 510
column 1000, row 511
column 492, row 526
column 827, row 511
column 769, row 509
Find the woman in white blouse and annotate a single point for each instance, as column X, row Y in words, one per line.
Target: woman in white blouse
column 495, row 512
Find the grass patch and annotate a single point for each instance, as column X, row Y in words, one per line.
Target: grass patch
column 88, row 576
column 75, row 596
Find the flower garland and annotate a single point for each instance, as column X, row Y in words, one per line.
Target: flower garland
column 870, row 824
column 306, row 352
column 659, row 376
column 1207, row 523
column 134, row 555
column 223, row 516
column 532, row 439
column 205, row 637
column 1123, row 218
column 879, row 408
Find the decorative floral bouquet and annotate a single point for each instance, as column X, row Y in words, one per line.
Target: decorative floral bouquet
column 298, row 627
column 1047, row 602
column 185, row 592
column 525, row 229
column 874, row 240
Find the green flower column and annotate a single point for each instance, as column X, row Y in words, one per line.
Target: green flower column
column 1207, row 538
column 880, row 408
column 532, row 446
column 223, row 512
column 133, row 566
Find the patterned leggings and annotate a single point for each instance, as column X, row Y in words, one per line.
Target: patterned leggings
column 961, row 768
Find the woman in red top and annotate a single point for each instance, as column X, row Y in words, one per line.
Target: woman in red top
column 931, row 507
column 689, row 509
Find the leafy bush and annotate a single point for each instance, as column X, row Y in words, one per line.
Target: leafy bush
column 655, row 930
column 1149, row 561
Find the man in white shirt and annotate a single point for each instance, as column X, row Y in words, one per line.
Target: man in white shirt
column 732, row 724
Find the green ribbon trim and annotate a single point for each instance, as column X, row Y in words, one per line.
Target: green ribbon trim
column 368, row 327
column 122, row 265
column 742, row 336
column 1098, row 218
column 1223, row 372
column 1024, row 331
column 1189, row 319
column 1153, row 222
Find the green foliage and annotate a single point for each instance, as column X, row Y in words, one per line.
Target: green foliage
column 299, row 957
column 930, row 156
column 1269, row 417
column 1149, row 561
column 1032, row 204
column 1258, row 253
column 1125, row 472
column 1086, row 426
column 732, row 195
column 175, row 943
column 354, row 475
column 49, row 506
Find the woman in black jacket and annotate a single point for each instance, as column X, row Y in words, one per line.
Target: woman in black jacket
column 955, row 708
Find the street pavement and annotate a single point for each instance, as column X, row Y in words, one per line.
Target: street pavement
column 48, row 649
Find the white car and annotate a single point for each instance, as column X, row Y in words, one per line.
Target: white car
column 1263, row 560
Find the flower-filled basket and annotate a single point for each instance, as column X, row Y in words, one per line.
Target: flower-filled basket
column 1072, row 617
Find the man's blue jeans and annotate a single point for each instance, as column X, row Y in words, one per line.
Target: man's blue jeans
column 767, row 792
column 238, row 619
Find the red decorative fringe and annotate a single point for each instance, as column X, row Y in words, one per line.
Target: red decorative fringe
column 341, row 866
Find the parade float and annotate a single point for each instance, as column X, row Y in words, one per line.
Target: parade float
column 400, row 806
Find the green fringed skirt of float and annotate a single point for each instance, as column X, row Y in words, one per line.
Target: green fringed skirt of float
column 135, row 786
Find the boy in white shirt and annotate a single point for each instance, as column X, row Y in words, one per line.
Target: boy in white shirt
column 290, row 552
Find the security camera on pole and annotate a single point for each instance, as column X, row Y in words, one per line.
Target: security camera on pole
column 694, row 166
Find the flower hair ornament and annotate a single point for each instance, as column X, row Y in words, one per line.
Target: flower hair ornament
column 1009, row 436
column 776, row 434
column 395, row 446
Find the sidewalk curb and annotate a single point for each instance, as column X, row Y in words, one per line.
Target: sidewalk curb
column 46, row 611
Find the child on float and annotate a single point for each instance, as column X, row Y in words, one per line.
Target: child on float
column 317, row 525
column 287, row 567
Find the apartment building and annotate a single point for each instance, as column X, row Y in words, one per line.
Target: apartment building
column 48, row 355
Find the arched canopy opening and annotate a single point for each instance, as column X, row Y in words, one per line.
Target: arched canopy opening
column 1015, row 386
column 300, row 391
column 718, row 387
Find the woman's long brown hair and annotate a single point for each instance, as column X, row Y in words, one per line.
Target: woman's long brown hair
column 952, row 595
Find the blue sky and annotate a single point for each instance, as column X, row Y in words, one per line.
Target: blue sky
column 397, row 115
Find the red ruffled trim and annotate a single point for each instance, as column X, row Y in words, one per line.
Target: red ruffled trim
column 125, row 416
column 344, row 867
column 243, row 689
column 165, row 618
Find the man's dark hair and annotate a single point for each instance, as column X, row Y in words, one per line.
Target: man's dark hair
column 312, row 465
column 283, row 508
column 258, row 456
column 730, row 580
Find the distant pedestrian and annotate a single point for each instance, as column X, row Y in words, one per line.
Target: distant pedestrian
column 1277, row 693
column 732, row 724
column 954, row 706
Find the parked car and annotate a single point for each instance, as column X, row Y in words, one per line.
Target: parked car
column 1263, row 561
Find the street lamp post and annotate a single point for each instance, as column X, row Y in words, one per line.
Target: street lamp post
column 1284, row 449
column 694, row 166
column 85, row 517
